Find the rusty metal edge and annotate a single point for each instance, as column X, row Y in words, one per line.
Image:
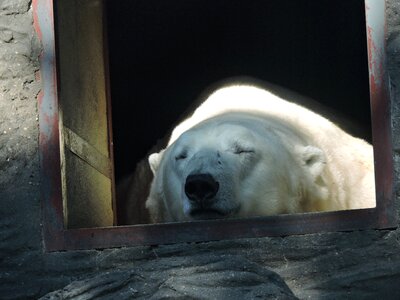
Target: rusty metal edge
column 57, row 238
column 201, row 231
column 376, row 29
column 49, row 145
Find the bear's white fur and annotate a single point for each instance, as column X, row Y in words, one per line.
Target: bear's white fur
column 267, row 156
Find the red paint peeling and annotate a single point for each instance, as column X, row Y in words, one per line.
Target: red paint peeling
column 36, row 11
column 370, row 45
column 371, row 63
column 40, row 98
column 375, row 63
column 38, row 76
column 373, row 89
column 36, row 19
column 54, row 85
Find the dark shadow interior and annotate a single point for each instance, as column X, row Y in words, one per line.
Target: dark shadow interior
column 164, row 53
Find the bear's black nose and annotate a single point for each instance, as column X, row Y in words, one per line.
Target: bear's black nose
column 201, row 187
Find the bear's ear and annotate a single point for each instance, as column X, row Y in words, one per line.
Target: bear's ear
column 313, row 159
column 154, row 161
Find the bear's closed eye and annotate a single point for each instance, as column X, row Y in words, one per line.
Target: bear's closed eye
column 181, row 156
column 240, row 149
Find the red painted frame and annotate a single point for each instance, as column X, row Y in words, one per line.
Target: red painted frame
column 56, row 237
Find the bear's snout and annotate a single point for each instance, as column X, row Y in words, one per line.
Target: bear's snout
column 201, row 188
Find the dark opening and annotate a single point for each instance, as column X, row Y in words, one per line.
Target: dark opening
column 163, row 54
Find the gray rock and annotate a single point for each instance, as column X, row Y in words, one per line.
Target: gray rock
column 14, row 7
column 193, row 277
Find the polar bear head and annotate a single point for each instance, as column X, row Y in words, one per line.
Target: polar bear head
column 236, row 165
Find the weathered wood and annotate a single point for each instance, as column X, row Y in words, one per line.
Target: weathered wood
column 87, row 152
column 83, row 107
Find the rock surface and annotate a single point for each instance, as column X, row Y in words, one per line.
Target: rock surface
column 193, row 277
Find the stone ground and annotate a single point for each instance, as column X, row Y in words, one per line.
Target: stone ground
column 356, row 265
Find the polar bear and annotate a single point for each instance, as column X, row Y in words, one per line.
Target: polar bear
column 247, row 152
